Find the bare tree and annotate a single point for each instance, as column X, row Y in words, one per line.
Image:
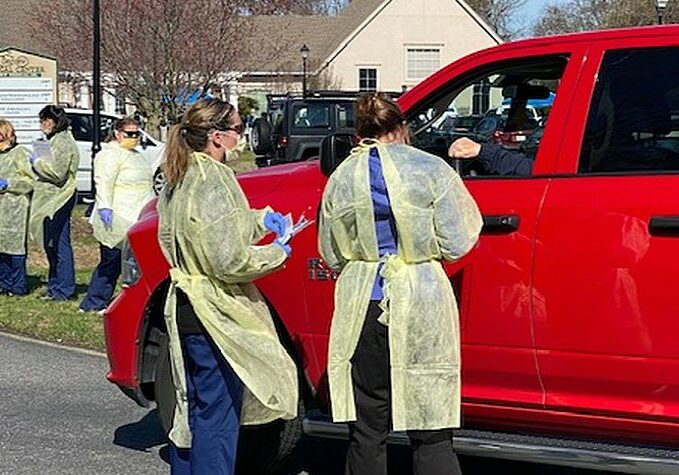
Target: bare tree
column 500, row 14
column 586, row 15
column 157, row 53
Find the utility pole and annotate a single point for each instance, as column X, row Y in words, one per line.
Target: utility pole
column 304, row 51
column 96, row 86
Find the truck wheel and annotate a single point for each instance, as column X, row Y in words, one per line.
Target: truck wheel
column 158, row 181
column 262, row 449
column 260, row 138
column 163, row 387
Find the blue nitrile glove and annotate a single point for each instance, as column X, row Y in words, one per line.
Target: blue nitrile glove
column 4, row 184
column 285, row 247
column 275, row 222
column 33, row 158
column 106, row 216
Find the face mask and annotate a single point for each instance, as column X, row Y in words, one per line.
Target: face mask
column 231, row 155
column 242, row 144
column 129, row 143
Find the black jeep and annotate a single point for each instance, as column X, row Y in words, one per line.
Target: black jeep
column 293, row 126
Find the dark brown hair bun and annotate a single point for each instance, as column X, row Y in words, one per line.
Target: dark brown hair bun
column 378, row 115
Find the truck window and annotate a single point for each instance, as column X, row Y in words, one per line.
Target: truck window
column 346, row 116
column 504, row 107
column 633, row 123
column 311, row 116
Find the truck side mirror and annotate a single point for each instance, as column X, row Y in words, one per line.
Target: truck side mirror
column 334, row 149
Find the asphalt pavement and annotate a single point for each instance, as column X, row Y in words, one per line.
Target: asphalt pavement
column 59, row 415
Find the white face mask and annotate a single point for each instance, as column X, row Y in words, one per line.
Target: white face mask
column 242, row 144
column 231, row 155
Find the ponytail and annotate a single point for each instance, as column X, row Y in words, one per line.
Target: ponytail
column 177, row 155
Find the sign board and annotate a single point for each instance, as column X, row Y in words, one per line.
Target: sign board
column 28, row 82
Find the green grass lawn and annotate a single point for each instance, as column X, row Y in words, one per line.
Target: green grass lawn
column 57, row 321
column 52, row 321
column 60, row 321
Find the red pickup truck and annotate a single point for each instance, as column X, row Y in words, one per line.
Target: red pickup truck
column 569, row 305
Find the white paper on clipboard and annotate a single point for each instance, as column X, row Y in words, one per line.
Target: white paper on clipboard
column 42, row 149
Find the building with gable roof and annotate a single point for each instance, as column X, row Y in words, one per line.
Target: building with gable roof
column 373, row 44
column 370, row 45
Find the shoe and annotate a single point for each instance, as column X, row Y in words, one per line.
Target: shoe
column 98, row 312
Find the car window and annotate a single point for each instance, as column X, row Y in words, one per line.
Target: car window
column 633, row 124
column 81, row 125
column 502, row 107
column 311, row 116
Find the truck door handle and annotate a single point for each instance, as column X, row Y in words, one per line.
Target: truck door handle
column 502, row 224
column 664, row 226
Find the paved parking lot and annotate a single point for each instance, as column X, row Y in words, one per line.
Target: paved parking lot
column 60, row 416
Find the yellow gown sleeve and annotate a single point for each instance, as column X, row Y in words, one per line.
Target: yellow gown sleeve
column 106, row 168
column 259, row 230
column 327, row 244
column 56, row 168
column 22, row 180
column 457, row 219
column 225, row 232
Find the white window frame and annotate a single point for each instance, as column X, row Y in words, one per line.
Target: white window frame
column 408, row 47
column 376, row 67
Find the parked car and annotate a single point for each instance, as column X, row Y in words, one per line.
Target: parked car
column 82, row 127
column 292, row 128
column 568, row 304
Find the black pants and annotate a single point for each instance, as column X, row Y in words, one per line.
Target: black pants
column 432, row 450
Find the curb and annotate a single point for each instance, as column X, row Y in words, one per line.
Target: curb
column 26, row 339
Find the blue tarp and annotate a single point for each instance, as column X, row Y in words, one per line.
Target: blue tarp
column 537, row 103
column 192, row 99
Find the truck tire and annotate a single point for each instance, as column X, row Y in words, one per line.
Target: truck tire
column 162, row 386
column 260, row 137
column 262, row 449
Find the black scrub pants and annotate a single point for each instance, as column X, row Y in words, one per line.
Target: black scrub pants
column 432, row 450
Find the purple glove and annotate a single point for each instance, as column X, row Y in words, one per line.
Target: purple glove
column 106, row 216
column 275, row 222
column 4, row 184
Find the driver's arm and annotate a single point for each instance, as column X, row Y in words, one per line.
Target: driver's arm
column 493, row 157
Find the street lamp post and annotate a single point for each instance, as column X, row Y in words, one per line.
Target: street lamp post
column 304, row 51
column 661, row 8
column 96, row 86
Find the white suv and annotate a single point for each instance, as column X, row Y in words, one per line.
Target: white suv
column 81, row 125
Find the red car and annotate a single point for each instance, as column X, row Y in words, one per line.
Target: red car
column 569, row 306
